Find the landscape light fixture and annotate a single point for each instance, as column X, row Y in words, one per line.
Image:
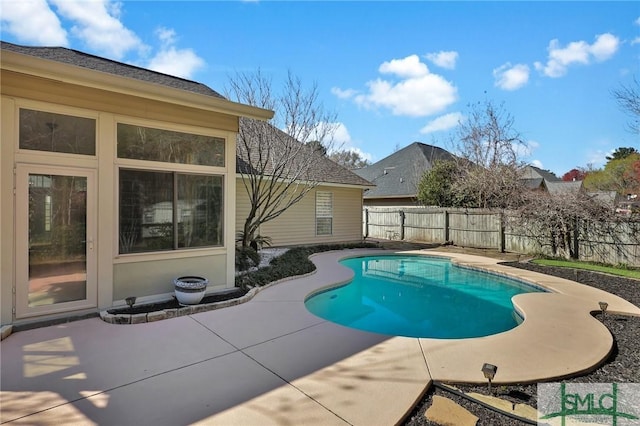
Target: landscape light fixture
column 131, row 300
column 603, row 308
column 489, row 371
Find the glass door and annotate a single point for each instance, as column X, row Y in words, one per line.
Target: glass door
column 55, row 231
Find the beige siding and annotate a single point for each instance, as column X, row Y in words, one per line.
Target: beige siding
column 134, row 279
column 117, row 276
column 41, row 89
column 297, row 225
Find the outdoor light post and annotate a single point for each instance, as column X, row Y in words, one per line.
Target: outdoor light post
column 489, row 371
column 603, row 308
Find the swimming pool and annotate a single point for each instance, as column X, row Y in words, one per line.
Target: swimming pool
column 417, row 296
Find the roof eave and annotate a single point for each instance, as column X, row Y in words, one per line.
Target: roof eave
column 77, row 75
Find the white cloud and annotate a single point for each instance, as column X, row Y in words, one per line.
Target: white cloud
column 343, row 94
column 33, row 22
column 537, row 163
column 577, row 52
column 342, row 141
column 415, row 91
column 98, row 25
column 341, row 135
column 597, row 158
column 511, row 77
column 526, row 150
column 408, row 67
column 443, row 59
column 170, row 60
column 605, row 46
column 444, row 122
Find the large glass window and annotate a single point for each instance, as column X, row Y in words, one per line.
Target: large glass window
column 145, row 143
column 324, row 213
column 46, row 131
column 169, row 211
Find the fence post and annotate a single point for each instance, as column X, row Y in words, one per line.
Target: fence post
column 366, row 223
column 576, row 244
column 446, row 226
column 401, row 225
column 502, row 233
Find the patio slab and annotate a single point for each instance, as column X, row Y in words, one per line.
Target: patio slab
column 269, row 361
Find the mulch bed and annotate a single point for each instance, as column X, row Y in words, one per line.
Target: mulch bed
column 173, row 304
column 620, row 367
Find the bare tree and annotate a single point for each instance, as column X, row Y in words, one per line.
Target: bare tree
column 352, row 160
column 628, row 98
column 488, row 147
column 277, row 163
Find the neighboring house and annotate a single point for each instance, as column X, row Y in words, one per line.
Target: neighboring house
column 532, row 172
column 114, row 180
column 397, row 176
column 560, row 188
column 329, row 213
column 535, row 178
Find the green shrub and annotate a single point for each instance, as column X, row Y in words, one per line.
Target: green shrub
column 292, row 263
column 246, row 257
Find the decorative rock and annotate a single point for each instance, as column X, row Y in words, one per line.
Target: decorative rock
column 106, row 317
column 522, row 410
column 5, row 331
column 138, row 318
column 122, row 319
column 186, row 310
column 445, row 412
column 156, row 316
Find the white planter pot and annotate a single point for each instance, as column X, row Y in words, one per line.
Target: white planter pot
column 189, row 290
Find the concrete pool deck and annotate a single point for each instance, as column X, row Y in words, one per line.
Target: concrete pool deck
column 270, row 361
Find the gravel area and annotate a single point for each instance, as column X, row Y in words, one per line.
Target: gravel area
column 622, row 366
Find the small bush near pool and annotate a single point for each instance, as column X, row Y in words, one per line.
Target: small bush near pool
column 294, row 262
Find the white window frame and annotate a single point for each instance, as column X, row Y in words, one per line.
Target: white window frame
column 324, row 210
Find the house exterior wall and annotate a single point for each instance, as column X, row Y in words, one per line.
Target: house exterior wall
column 146, row 276
column 297, row 225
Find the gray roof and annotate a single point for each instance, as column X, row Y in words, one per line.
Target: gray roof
column 533, row 183
column 532, row 172
column 96, row 63
column 398, row 174
column 604, row 197
column 561, row 187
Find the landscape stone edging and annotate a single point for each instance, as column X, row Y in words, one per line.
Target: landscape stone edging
column 189, row 310
column 5, row 331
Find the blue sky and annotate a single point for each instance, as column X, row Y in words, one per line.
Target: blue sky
column 394, row 72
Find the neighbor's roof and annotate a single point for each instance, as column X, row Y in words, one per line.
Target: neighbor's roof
column 97, row 63
column 532, row 172
column 561, row 187
column 398, row 174
column 533, row 183
column 604, row 197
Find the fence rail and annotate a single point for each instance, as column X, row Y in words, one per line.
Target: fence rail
column 497, row 230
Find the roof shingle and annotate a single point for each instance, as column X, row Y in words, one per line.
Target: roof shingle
column 398, row 174
column 96, row 63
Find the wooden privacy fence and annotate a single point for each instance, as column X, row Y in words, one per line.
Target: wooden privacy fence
column 479, row 228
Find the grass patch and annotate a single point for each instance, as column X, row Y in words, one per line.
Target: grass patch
column 619, row 271
column 292, row 263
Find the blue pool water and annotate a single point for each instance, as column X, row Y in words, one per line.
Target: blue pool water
column 418, row 296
